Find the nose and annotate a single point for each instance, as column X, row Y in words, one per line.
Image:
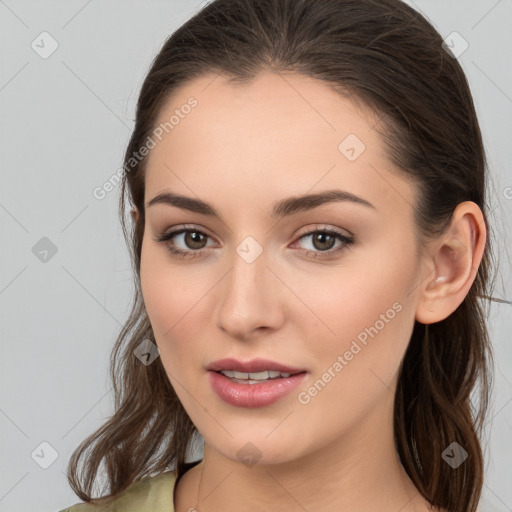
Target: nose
column 250, row 298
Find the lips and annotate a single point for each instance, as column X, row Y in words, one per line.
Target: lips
column 252, row 366
column 251, row 393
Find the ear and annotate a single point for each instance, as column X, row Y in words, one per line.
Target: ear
column 455, row 256
column 135, row 214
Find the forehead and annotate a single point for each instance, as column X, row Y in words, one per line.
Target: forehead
column 276, row 136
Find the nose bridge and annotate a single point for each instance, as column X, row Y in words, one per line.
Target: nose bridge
column 247, row 279
column 245, row 303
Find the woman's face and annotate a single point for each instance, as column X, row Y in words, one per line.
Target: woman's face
column 258, row 283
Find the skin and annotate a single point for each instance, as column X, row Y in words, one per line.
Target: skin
column 242, row 149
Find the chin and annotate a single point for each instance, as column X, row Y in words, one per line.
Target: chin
column 258, row 450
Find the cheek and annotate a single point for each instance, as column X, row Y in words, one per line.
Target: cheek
column 355, row 369
column 173, row 296
column 165, row 291
column 363, row 311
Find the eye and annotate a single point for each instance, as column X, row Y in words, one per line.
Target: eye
column 194, row 238
column 323, row 242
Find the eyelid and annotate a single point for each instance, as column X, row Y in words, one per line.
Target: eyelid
column 180, row 228
column 324, row 227
column 346, row 240
column 166, row 236
column 175, row 230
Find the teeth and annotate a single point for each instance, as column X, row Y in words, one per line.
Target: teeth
column 265, row 375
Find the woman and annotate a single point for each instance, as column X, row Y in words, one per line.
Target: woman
column 310, row 244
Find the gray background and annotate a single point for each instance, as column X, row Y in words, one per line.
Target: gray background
column 65, row 121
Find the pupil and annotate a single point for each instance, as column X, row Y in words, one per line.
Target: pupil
column 194, row 235
column 321, row 236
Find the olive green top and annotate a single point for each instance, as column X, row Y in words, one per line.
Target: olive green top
column 151, row 494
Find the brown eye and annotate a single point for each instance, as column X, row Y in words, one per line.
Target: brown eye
column 193, row 242
column 194, row 239
column 323, row 241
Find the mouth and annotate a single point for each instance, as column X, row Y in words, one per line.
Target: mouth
column 253, row 383
column 256, row 377
column 254, row 389
column 254, row 369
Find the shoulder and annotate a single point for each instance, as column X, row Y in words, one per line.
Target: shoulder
column 151, row 494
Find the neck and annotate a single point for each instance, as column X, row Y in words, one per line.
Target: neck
column 358, row 471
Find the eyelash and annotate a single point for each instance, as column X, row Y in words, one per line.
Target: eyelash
column 166, row 237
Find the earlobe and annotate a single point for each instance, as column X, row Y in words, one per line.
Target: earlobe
column 456, row 256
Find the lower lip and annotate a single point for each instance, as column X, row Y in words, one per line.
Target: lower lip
column 254, row 395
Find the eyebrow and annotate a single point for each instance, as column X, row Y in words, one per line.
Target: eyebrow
column 283, row 208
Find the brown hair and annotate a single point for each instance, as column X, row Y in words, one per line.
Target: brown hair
column 388, row 57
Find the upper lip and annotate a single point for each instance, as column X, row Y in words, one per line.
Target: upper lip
column 252, row 366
